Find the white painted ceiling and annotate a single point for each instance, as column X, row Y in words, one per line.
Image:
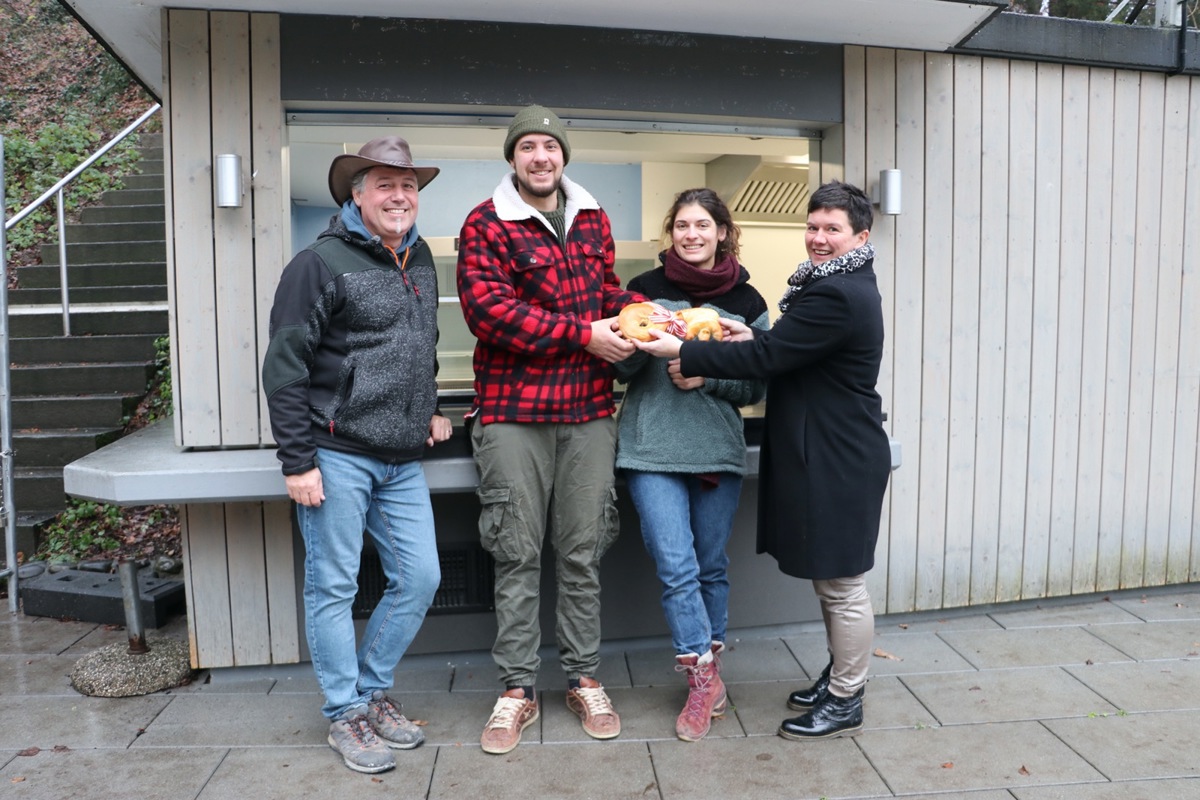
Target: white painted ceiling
column 133, row 28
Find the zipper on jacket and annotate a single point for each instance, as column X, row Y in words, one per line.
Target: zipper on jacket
column 402, row 265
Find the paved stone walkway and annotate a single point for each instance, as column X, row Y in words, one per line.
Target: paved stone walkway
column 1094, row 698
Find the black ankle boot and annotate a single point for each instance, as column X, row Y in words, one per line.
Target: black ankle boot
column 831, row 716
column 804, row 699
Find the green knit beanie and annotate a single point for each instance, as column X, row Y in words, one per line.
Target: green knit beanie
column 536, row 119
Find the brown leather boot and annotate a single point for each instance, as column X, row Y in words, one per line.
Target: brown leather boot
column 706, row 696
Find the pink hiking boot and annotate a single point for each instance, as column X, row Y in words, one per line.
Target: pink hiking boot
column 706, row 696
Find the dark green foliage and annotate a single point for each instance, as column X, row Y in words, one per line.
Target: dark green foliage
column 34, row 165
column 157, row 404
column 84, row 528
column 91, row 530
column 61, row 97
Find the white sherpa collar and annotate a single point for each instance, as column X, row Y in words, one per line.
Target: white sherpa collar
column 510, row 207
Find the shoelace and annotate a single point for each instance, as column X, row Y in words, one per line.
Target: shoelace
column 596, row 700
column 696, row 693
column 361, row 730
column 387, row 708
column 506, row 710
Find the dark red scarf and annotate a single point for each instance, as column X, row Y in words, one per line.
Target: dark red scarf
column 701, row 284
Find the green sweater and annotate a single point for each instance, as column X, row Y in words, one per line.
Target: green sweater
column 665, row 429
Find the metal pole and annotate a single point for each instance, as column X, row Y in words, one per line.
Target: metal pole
column 7, row 513
column 127, row 568
column 62, row 264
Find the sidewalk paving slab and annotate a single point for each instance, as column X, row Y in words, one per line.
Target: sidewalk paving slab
column 765, row 768
column 1032, row 647
column 1162, row 605
column 612, row 770
column 1158, row 639
column 305, row 773
column 237, row 721
column 1130, row 746
column 1169, row 789
column 37, row 673
column 1005, row 695
column 970, row 757
column 169, row 774
column 1145, row 686
column 77, row 722
column 1100, row 612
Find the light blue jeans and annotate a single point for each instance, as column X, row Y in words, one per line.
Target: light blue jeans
column 686, row 526
column 390, row 502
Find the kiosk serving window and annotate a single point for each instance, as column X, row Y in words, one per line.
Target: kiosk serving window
column 633, row 172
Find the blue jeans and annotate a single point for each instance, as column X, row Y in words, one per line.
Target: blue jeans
column 391, row 502
column 686, row 527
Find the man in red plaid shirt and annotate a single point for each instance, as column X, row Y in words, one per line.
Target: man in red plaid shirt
column 537, row 287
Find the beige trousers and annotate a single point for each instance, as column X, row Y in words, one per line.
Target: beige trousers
column 849, row 631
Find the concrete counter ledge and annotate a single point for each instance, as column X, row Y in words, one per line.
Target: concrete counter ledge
column 147, row 468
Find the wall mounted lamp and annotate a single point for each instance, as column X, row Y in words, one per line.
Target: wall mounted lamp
column 887, row 192
column 229, row 180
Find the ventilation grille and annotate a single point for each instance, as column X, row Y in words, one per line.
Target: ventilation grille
column 773, row 193
column 466, row 587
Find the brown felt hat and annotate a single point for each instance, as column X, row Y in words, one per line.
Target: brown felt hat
column 386, row 151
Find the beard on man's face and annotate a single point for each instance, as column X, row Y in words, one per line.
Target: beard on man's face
column 538, row 191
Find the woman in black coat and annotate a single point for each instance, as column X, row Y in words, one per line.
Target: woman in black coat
column 825, row 456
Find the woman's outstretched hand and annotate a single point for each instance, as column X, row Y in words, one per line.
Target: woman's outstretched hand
column 663, row 344
column 734, row 331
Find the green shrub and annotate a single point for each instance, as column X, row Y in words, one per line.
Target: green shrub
column 31, row 166
column 158, row 402
column 85, row 528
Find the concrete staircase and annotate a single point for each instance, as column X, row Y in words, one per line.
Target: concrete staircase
column 70, row 394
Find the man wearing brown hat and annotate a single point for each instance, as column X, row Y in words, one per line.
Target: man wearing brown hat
column 537, row 288
column 349, row 375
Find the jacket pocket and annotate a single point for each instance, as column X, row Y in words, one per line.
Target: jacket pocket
column 497, row 512
column 334, row 413
column 535, row 275
column 610, row 523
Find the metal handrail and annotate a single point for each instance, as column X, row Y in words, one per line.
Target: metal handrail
column 56, row 191
column 7, row 512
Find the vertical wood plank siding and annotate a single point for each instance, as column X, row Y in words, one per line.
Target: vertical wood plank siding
column 222, row 72
column 1042, row 299
column 222, row 75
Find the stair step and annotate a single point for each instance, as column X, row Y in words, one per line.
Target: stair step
column 65, row 411
column 142, row 180
column 90, row 294
column 82, row 349
column 106, row 252
column 38, row 488
column 90, row 323
column 145, row 273
column 90, row 232
column 146, row 212
column 29, row 525
column 131, row 197
column 57, row 447
column 57, row 379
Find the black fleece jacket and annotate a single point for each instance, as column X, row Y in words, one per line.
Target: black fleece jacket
column 351, row 363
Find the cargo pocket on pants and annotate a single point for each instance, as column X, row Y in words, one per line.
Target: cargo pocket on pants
column 496, row 508
column 610, row 523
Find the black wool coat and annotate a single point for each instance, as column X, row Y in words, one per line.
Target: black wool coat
column 825, row 457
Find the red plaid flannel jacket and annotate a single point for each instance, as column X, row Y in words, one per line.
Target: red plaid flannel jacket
column 530, row 301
